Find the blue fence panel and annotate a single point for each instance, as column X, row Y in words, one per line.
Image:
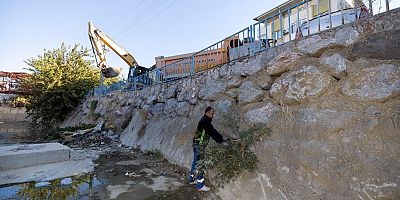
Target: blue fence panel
column 110, row 88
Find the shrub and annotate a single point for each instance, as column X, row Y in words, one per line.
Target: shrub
column 155, row 154
column 238, row 156
column 55, row 133
column 60, row 79
column 93, row 105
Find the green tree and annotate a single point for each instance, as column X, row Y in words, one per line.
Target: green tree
column 60, row 80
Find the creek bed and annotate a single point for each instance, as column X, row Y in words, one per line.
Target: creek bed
column 119, row 174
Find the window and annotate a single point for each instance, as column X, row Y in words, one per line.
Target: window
column 278, row 34
column 323, row 7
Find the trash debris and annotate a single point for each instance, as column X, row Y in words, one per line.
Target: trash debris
column 66, row 181
column 92, row 137
column 99, row 127
column 110, row 134
column 132, row 175
column 42, row 184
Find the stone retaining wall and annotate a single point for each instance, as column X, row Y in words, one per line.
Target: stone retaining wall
column 331, row 100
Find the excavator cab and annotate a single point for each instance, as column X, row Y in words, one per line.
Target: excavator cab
column 138, row 77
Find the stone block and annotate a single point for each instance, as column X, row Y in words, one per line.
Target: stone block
column 299, row 85
column 20, row 156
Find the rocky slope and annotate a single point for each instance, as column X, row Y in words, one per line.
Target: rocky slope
column 331, row 100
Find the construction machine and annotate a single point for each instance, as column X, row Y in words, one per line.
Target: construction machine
column 98, row 40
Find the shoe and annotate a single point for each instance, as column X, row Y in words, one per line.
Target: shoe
column 192, row 180
column 204, row 189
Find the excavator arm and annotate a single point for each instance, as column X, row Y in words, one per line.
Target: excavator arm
column 98, row 39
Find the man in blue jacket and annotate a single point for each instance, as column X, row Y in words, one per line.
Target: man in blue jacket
column 204, row 131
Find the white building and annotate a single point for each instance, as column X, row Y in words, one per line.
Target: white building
column 312, row 16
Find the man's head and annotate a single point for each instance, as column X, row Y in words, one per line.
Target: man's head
column 209, row 112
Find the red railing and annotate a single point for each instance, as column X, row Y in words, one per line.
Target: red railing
column 10, row 82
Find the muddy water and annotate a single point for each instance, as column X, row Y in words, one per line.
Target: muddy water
column 79, row 186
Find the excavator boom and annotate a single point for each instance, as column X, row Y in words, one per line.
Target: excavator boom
column 98, row 39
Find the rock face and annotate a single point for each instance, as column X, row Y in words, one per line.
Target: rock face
column 224, row 106
column 383, row 45
column 337, row 64
column 252, row 66
column 331, row 118
column 347, row 35
column 261, row 115
column 183, row 108
column 135, row 129
column 315, row 44
column 170, row 106
column 376, row 83
column 331, row 138
column 249, row 93
column 264, row 81
column 299, row 85
column 212, row 90
column 284, row 62
column 171, row 91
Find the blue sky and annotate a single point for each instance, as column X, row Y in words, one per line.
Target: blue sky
column 146, row 28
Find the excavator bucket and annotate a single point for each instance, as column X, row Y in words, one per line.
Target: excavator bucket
column 111, row 72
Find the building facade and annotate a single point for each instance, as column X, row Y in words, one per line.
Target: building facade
column 281, row 23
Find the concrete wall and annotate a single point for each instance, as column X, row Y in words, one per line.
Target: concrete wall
column 15, row 126
column 10, row 114
column 331, row 100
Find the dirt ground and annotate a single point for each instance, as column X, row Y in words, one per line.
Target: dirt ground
column 147, row 169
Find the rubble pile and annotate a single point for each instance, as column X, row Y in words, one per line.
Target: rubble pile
column 92, row 137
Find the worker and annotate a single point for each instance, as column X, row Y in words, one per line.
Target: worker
column 200, row 140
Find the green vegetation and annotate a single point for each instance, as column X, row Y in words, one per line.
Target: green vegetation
column 55, row 133
column 15, row 102
column 55, row 190
column 93, row 105
column 237, row 157
column 154, row 154
column 60, row 80
column 19, row 102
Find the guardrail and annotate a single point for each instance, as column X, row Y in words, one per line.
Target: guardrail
column 293, row 23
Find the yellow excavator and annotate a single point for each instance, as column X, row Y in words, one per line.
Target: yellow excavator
column 98, row 40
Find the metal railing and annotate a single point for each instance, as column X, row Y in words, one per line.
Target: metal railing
column 109, row 88
column 303, row 19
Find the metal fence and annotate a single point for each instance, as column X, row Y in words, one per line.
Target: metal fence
column 109, row 88
column 303, row 19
